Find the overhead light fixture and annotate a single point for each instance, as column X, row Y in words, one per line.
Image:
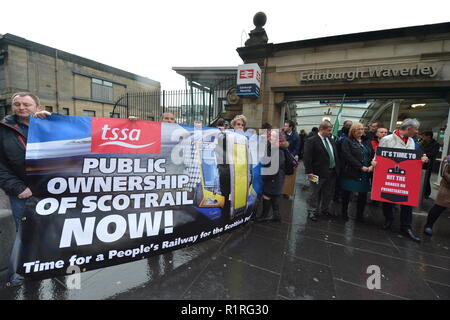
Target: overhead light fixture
column 399, row 122
column 415, row 105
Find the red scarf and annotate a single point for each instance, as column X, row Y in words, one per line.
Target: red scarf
column 405, row 139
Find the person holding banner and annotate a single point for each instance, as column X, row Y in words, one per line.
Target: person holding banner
column 13, row 140
column 168, row 117
column 402, row 138
column 442, row 200
column 356, row 156
column 239, row 123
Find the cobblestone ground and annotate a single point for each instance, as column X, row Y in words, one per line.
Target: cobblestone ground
column 294, row 259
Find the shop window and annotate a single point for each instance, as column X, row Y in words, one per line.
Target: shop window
column 102, row 90
column 89, row 113
column 114, row 115
column 65, row 111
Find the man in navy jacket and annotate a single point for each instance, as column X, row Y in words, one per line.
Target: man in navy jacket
column 293, row 138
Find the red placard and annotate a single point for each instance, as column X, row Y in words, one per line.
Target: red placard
column 397, row 176
column 111, row 135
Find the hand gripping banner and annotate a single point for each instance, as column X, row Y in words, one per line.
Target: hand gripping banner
column 109, row 191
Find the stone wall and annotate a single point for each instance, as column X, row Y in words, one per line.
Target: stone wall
column 53, row 78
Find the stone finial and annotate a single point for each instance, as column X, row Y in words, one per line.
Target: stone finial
column 258, row 35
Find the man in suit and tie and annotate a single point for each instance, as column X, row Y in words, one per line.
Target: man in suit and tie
column 321, row 159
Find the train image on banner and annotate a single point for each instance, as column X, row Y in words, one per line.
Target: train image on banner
column 221, row 171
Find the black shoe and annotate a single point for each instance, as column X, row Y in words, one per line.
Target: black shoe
column 312, row 217
column 275, row 209
column 265, row 212
column 387, row 225
column 15, row 280
column 329, row 214
column 410, row 234
column 344, row 216
column 428, row 231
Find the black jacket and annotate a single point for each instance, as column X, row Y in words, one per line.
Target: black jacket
column 431, row 149
column 294, row 143
column 12, row 156
column 316, row 158
column 352, row 158
column 273, row 184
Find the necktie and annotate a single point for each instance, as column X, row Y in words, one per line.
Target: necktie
column 330, row 153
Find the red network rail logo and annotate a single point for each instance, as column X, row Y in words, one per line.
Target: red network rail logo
column 246, row 74
column 123, row 136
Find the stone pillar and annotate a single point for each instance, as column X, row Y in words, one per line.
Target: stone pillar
column 257, row 50
column 394, row 115
column 253, row 110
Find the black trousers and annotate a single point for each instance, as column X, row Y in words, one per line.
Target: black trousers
column 361, row 202
column 426, row 183
column 405, row 214
column 433, row 215
column 322, row 193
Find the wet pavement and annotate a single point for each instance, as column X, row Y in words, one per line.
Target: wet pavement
column 294, row 259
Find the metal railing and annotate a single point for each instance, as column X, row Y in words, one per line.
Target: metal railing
column 204, row 104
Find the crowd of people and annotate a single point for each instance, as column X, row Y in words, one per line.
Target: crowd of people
column 336, row 167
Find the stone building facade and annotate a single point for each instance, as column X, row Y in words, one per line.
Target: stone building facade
column 66, row 83
column 396, row 64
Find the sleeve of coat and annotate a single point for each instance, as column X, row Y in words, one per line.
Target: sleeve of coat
column 297, row 145
column 348, row 157
column 446, row 173
column 435, row 151
column 307, row 155
column 9, row 182
column 383, row 142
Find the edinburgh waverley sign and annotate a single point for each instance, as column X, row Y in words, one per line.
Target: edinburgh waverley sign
column 375, row 72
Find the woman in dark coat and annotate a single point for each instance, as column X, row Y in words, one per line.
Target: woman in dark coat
column 442, row 200
column 274, row 181
column 356, row 156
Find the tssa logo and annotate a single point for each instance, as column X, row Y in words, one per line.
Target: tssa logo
column 123, row 136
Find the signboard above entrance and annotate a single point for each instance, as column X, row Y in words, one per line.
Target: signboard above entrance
column 248, row 80
column 373, row 72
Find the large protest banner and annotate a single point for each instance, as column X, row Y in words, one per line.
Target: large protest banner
column 109, row 191
column 397, row 176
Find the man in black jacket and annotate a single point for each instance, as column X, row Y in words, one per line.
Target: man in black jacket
column 321, row 159
column 13, row 140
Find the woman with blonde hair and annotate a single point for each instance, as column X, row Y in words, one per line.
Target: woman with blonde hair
column 273, row 182
column 239, row 122
column 356, row 155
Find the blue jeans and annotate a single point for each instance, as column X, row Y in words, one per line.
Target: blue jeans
column 18, row 209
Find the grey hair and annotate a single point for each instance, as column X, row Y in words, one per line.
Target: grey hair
column 325, row 125
column 407, row 123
